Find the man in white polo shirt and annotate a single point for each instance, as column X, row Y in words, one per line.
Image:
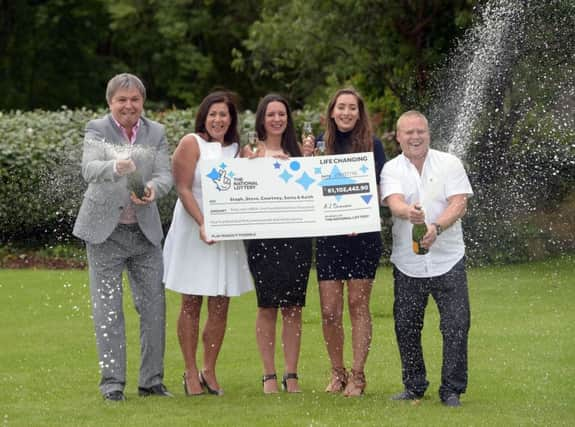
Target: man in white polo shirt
column 426, row 185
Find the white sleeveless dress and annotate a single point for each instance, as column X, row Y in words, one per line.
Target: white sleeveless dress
column 193, row 267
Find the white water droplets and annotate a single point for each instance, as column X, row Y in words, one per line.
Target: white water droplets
column 476, row 64
column 504, row 105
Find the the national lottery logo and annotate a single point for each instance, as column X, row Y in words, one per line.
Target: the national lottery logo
column 221, row 177
column 225, row 179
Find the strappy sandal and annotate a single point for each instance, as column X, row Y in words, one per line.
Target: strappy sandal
column 289, row 376
column 204, row 383
column 266, row 378
column 356, row 384
column 186, row 391
column 338, row 380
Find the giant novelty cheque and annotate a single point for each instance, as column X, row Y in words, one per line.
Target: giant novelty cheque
column 267, row 197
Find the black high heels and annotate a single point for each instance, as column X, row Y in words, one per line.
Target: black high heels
column 269, row 377
column 186, row 391
column 210, row 390
column 289, row 376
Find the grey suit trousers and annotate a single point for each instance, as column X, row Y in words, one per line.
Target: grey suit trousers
column 127, row 248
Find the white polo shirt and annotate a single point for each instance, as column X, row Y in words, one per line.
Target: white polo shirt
column 442, row 176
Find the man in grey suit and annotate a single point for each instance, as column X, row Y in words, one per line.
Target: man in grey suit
column 123, row 231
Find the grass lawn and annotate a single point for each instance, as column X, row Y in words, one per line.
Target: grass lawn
column 521, row 359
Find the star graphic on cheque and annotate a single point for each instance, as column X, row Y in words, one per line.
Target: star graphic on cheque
column 305, row 180
column 285, row 175
column 213, row 174
column 277, row 165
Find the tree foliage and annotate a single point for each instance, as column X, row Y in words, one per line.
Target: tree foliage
column 62, row 52
column 182, row 48
column 49, row 52
column 41, row 186
column 385, row 48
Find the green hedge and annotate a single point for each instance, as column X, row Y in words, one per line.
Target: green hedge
column 40, row 183
column 41, row 189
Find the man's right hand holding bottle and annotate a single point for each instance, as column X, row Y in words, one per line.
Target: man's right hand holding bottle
column 124, row 167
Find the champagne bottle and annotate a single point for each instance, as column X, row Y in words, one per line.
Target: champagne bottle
column 253, row 141
column 136, row 184
column 320, row 148
column 417, row 233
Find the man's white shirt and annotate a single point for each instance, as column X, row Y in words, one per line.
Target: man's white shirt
column 443, row 176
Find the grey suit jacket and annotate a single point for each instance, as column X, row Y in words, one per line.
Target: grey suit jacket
column 107, row 193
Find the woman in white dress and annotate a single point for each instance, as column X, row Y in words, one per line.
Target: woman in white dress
column 193, row 265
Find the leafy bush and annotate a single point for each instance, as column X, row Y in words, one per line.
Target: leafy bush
column 40, row 183
column 41, row 189
column 41, row 186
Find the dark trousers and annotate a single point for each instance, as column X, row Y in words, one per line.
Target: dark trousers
column 452, row 298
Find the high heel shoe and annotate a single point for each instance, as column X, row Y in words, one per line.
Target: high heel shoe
column 289, row 376
column 338, row 381
column 210, row 390
column 186, row 391
column 266, row 378
column 355, row 385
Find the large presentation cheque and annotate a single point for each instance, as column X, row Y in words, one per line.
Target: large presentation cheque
column 299, row 197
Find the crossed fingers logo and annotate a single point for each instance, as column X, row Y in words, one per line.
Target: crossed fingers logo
column 223, row 182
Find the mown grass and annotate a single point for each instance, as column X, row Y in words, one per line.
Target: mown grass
column 522, row 359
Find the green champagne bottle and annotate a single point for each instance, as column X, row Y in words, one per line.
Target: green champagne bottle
column 417, row 233
column 136, row 184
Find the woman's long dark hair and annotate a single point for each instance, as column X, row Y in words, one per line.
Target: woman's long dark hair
column 289, row 139
column 232, row 135
column 361, row 135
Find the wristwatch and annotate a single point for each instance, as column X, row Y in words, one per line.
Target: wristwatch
column 438, row 228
